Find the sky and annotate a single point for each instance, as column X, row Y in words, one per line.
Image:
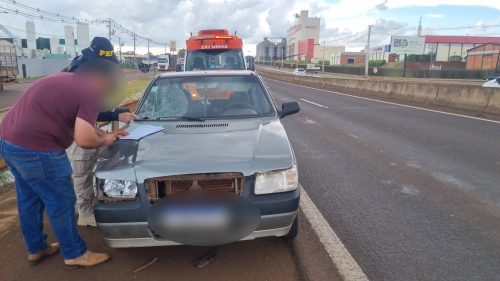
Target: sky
column 343, row 22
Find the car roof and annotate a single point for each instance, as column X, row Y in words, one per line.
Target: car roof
column 206, row 73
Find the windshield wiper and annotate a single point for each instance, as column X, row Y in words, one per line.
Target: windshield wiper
column 181, row 118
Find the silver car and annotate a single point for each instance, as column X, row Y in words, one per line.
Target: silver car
column 221, row 170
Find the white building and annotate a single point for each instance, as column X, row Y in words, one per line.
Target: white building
column 302, row 36
column 325, row 52
column 30, row 39
column 69, row 40
column 82, row 35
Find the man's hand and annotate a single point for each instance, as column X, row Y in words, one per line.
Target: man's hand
column 120, row 133
column 110, row 138
column 126, row 117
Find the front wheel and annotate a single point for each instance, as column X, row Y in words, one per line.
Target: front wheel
column 294, row 230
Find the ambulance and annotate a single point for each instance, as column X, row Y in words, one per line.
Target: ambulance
column 214, row 49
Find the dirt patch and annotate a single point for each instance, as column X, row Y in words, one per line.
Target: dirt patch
column 8, row 209
column 314, row 262
column 260, row 259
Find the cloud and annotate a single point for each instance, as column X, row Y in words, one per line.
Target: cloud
column 382, row 6
column 480, row 26
column 165, row 20
column 436, row 16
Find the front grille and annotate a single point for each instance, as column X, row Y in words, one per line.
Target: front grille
column 178, row 185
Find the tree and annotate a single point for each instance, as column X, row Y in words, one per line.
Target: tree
column 455, row 58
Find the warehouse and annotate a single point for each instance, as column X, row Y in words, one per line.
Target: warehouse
column 454, row 47
column 484, row 57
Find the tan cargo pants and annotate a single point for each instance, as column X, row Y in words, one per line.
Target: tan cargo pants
column 83, row 162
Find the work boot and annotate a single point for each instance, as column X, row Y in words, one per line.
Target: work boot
column 88, row 259
column 87, row 220
column 50, row 250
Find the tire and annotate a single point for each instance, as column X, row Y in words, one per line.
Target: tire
column 294, row 230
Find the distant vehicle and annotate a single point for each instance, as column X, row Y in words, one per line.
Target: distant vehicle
column 164, row 62
column 8, row 63
column 180, row 65
column 493, row 83
column 299, row 72
column 250, row 63
column 214, row 49
column 311, row 67
column 492, row 76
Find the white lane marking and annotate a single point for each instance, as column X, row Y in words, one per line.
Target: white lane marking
column 316, row 104
column 392, row 103
column 409, row 189
column 345, row 263
column 354, row 136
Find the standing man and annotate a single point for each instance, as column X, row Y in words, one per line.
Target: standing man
column 49, row 116
column 83, row 160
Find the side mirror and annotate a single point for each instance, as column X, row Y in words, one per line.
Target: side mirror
column 498, row 80
column 289, row 108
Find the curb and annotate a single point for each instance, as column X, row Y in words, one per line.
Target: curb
column 320, row 252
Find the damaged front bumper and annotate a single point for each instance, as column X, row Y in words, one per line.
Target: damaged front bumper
column 138, row 234
column 125, row 224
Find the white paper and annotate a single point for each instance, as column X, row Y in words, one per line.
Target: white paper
column 142, row 131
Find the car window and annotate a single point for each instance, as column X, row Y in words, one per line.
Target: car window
column 212, row 97
column 215, row 59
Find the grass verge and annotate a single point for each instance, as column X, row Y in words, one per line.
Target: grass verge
column 135, row 88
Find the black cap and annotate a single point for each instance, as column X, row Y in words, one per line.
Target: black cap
column 100, row 48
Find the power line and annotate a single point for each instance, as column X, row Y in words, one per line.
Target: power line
column 45, row 15
column 57, row 17
column 23, row 30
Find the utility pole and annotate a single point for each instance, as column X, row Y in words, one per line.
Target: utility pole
column 133, row 34
column 282, row 55
column 165, row 48
column 148, row 51
column 419, row 31
column 323, row 60
column 367, row 55
column 272, row 56
column 109, row 29
column 120, row 44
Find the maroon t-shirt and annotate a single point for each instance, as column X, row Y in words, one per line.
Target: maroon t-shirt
column 43, row 119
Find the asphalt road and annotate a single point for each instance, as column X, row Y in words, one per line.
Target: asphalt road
column 413, row 194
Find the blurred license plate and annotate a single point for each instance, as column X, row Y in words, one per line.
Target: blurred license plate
column 195, row 217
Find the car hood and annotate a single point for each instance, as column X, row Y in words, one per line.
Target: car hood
column 246, row 146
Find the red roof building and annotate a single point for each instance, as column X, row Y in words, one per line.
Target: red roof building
column 445, row 47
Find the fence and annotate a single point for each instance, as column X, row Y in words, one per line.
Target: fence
column 398, row 72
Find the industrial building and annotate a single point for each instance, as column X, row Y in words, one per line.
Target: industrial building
column 323, row 52
column 347, row 58
column 484, row 57
column 268, row 50
column 446, row 47
column 41, row 56
column 302, row 36
column 67, row 47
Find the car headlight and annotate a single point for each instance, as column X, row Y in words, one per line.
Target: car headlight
column 120, row 189
column 277, row 181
